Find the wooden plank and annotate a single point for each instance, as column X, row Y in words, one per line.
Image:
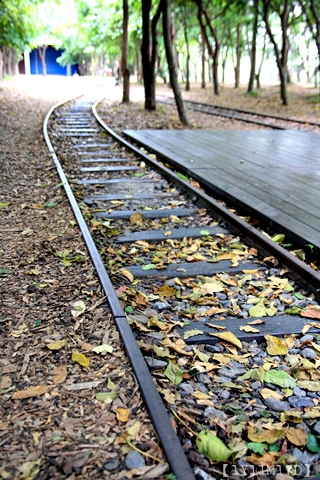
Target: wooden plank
column 133, row 196
column 93, row 145
column 107, row 160
column 278, row 326
column 192, row 269
column 288, row 203
column 166, row 212
column 79, row 130
column 162, row 235
column 120, row 168
column 80, row 134
column 98, row 181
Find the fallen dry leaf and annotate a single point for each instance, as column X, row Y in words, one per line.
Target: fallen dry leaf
column 122, row 414
column 81, row 359
column 30, row 392
column 275, row 346
column 297, row 436
column 59, row 374
column 267, row 460
column 310, row 313
column 228, row 337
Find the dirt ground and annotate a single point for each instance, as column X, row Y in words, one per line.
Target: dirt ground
column 52, row 424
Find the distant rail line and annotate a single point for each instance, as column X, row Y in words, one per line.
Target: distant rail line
column 239, row 114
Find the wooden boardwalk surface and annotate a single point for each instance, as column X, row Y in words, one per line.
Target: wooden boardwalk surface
column 274, row 175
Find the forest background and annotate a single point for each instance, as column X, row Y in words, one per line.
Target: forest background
column 184, row 41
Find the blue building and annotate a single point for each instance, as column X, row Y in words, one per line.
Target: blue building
column 53, row 67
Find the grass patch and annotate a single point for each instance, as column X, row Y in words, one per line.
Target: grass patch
column 314, row 98
column 253, row 93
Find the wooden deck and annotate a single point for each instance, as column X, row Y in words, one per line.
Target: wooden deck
column 274, row 175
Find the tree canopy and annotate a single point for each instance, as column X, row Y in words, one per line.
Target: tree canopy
column 206, row 36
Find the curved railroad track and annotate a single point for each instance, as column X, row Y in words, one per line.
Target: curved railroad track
column 263, row 119
column 183, row 276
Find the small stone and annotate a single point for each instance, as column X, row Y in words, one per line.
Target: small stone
column 316, row 428
column 300, row 456
column 283, row 476
column 171, row 282
column 276, row 405
column 256, row 385
column 134, row 460
column 309, row 353
column 306, row 338
column 298, row 402
column 312, row 395
column 225, row 394
column 215, row 413
column 111, row 466
column 150, row 312
column 221, row 296
column 235, row 371
column 154, row 364
column 186, row 387
column 161, row 306
column 298, row 392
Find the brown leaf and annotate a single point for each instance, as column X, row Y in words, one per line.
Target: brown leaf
column 5, row 382
column 310, row 313
column 267, row 460
column 165, row 291
column 30, row 392
column 297, row 436
column 136, row 219
column 59, row 374
column 177, row 347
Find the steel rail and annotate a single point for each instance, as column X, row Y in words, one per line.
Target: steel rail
column 240, row 110
column 299, row 271
column 250, row 112
column 168, row 438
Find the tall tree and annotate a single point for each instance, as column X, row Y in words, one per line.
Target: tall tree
column 311, row 10
column 149, row 52
column 171, row 63
column 253, row 49
column 125, row 70
column 284, row 10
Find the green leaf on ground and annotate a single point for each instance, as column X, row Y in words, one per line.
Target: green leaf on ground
column 174, row 373
column 212, row 447
column 279, row 377
column 313, row 443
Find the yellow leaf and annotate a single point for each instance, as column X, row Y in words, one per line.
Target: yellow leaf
column 201, row 395
column 228, row 337
column 275, row 346
column 23, row 328
column 167, row 233
column 56, row 345
column 30, row 392
column 267, row 460
column 78, row 308
column 248, row 329
column 122, row 414
column 4, row 204
column 165, row 291
column 309, row 385
column 177, row 347
column 136, row 219
column 312, row 412
column 291, row 416
column 218, row 327
column 268, row 393
column 259, row 435
column 297, row 436
column 192, row 333
column 155, row 322
column 103, row 348
column 127, row 274
column 81, row 359
column 248, row 272
column 256, row 322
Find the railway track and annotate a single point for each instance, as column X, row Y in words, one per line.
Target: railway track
column 238, row 114
column 193, row 289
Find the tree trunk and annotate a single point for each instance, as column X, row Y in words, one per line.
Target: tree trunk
column 238, row 57
column 281, row 57
column 185, row 28
column 125, row 70
column 42, row 55
column 203, row 61
column 171, row 63
column 254, row 46
column 149, row 53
